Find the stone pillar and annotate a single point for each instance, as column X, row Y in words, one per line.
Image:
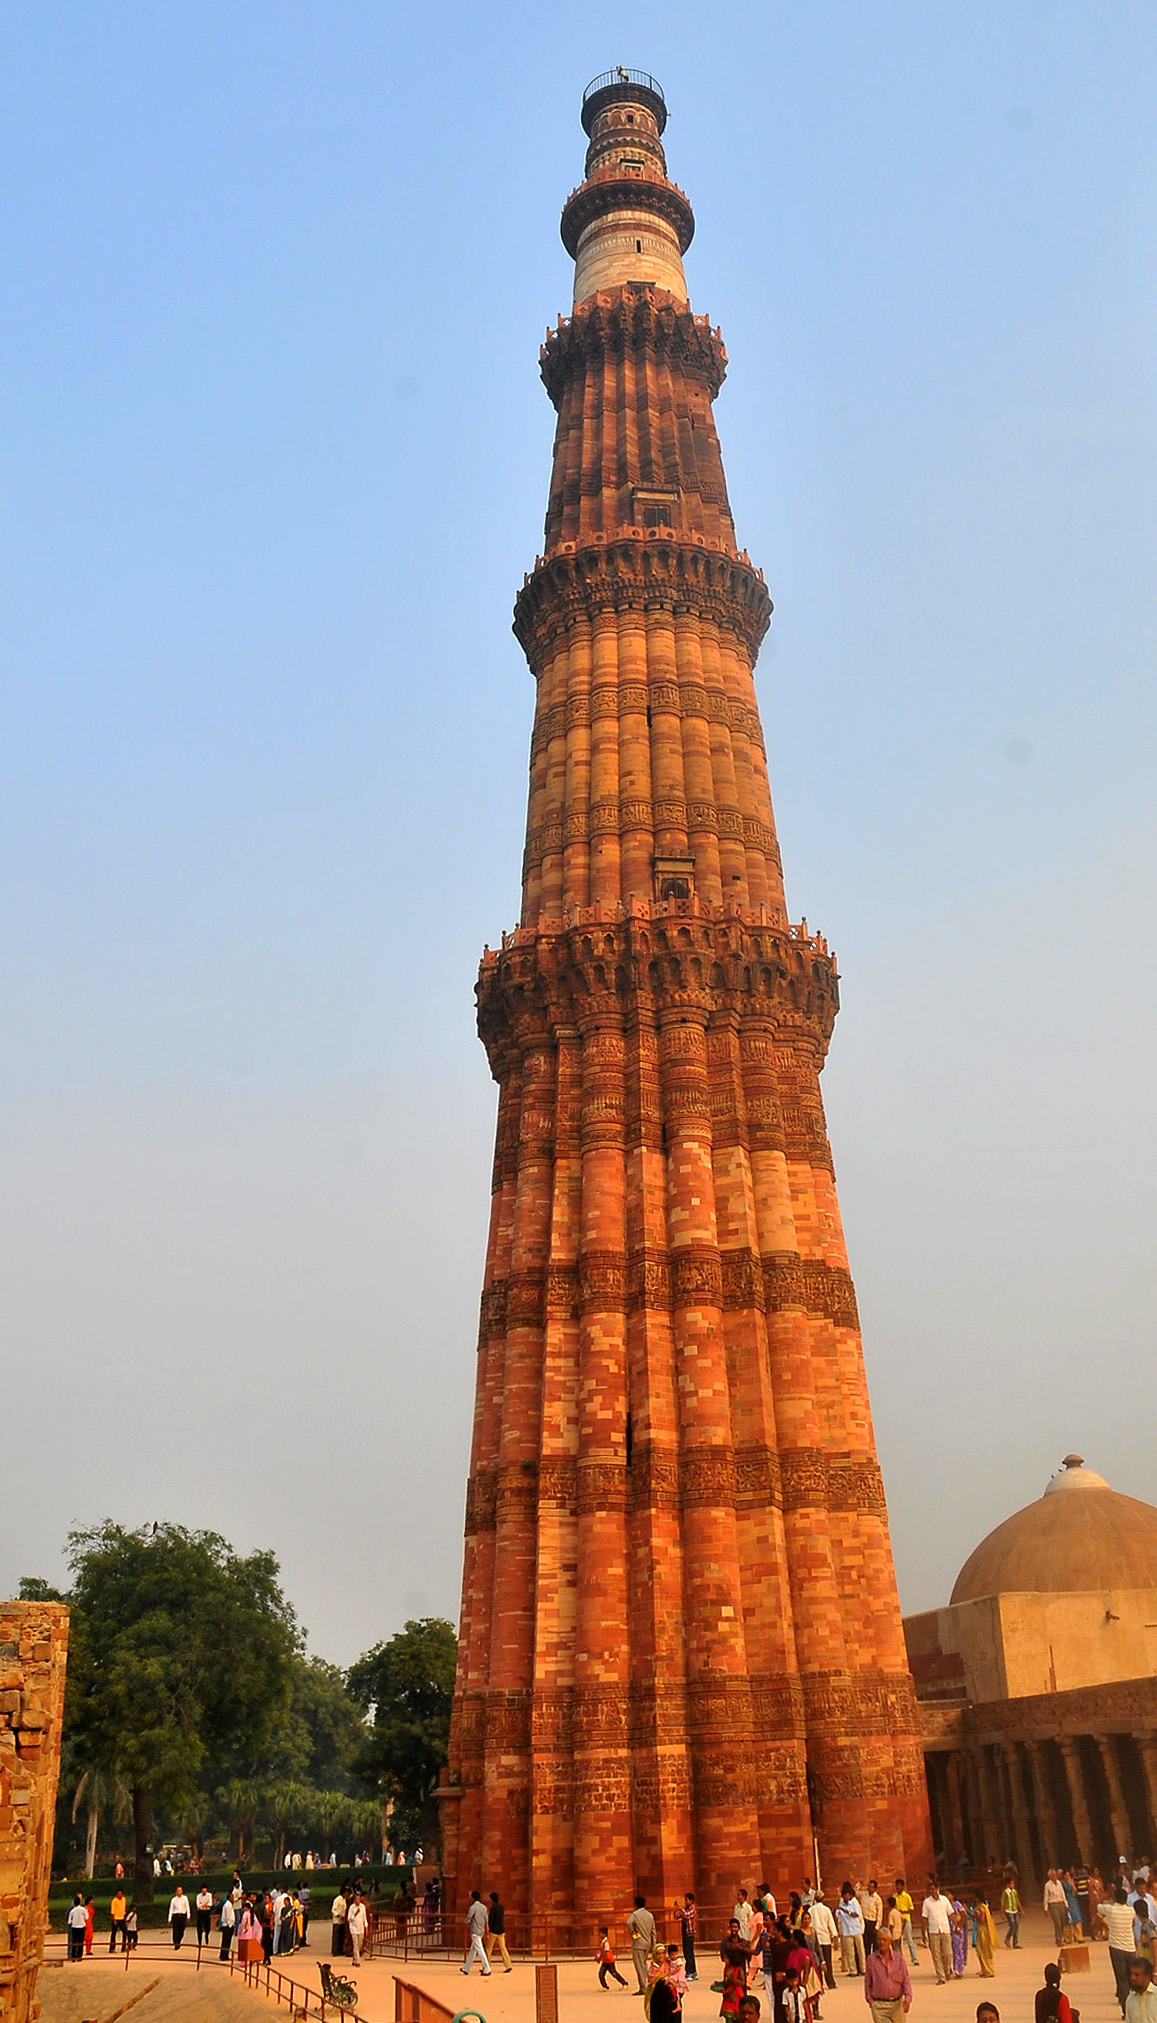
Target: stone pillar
column 1082, row 1824
column 1118, row 1810
column 33, row 1652
column 1046, row 1811
column 1147, row 1744
column 1022, row 1840
column 954, row 1772
column 990, row 1823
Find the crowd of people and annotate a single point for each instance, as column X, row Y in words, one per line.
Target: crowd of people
column 792, row 1956
column 263, row 1924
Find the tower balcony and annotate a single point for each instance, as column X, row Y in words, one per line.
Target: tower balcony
column 637, row 87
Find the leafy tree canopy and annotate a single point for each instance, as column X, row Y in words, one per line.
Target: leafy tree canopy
column 180, row 1650
column 405, row 1686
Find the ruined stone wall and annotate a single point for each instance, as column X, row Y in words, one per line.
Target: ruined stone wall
column 33, row 1653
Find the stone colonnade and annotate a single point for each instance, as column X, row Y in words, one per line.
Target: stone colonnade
column 1044, row 1800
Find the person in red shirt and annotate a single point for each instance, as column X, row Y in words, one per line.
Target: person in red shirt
column 606, row 1960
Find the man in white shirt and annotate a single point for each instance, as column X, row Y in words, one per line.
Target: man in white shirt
column 824, row 1928
column 872, row 1905
column 1141, row 2001
column 936, row 1913
column 178, row 1915
column 356, row 1924
column 850, row 1926
column 204, row 1914
column 476, row 1923
column 1055, row 1904
column 1142, row 1901
column 337, row 1913
column 1120, row 1922
column 77, row 1921
column 227, row 1924
column 742, row 1912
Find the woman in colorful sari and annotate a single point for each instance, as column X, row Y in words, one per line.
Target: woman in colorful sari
column 735, row 1954
column 810, row 1985
column 985, row 1936
column 755, row 1932
column 959, row 1918
column 806, row 1931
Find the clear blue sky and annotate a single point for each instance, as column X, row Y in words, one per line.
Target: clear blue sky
column 273, row 459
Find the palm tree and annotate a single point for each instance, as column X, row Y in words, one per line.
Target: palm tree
column 99, row 1791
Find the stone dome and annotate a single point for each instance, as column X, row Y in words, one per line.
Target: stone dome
column 1079, row 1537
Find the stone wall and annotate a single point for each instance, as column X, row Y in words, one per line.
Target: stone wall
column 33, row 1654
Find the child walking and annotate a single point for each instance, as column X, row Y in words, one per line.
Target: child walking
column 606, row 1959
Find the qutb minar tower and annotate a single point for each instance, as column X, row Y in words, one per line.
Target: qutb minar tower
column 681, row 1652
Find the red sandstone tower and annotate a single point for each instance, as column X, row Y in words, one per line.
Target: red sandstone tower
column 681, row 1649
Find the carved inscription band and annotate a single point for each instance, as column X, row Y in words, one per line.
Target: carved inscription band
column 611, row 1282
column 723, row 1478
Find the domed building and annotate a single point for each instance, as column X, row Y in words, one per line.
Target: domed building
column 1037, row 1684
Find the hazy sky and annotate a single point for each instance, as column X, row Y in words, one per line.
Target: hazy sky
column 273, row 459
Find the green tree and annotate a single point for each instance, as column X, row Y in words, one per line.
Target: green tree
column 272, row 1787
column 180, row 1651
column 405, row 1687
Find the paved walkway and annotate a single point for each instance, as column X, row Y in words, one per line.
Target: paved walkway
column 509, row 1998
column 99, row 1991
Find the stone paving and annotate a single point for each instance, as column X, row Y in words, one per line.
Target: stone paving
column 509, row 1998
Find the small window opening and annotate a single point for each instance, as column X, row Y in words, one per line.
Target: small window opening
column 630, row 119
column 648, row 716
column 638, row 245
column 674, row 877
column 630, row 1440
column 656, row 505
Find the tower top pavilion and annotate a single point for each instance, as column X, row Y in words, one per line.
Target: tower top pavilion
column 681, row 1660
column 626, row 221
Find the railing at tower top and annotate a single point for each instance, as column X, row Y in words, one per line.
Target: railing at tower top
column 544, row 1935
column 624, row 76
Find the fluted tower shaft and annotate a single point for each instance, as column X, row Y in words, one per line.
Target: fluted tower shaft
column 681, row 1648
